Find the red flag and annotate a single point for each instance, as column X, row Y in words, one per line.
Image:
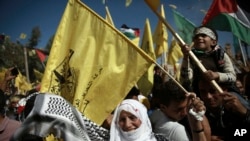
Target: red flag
column 230, row 15
column 41, row 55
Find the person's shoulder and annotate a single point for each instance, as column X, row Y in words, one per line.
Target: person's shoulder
column 14, row 122
column 10, row 124
column 178, row 130
column 156, row 114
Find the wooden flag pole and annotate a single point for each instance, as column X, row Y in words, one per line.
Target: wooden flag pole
column 178, row 38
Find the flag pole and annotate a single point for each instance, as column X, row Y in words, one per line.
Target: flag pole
column 243, row 54
column 171, row 77
column 26, row 63
column 179, row 39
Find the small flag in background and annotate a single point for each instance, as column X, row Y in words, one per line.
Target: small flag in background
column 160, row 37
column 132, row 33
column 22, row 84
column 41, row 55
column 175, row 53
column 128, row 2
column 23, row 36
column 145, row 83
column 230, row 15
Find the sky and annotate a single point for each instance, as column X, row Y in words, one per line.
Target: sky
column 21, row 16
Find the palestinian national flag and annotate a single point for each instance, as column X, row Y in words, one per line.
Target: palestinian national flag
column 230, row 15
column 42, row 55
column 131, row 33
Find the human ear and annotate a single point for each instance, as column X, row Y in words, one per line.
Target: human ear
column 214, row 42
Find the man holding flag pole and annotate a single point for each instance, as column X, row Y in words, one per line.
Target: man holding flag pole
column 228, row 112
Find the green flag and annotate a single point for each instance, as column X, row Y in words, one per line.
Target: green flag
column 184, row 26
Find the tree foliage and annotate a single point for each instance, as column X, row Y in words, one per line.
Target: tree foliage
column 12, row 54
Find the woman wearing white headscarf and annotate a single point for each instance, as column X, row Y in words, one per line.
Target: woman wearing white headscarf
column 52, row 114
column 131, row 123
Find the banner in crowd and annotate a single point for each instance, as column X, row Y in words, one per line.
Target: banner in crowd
column 160, row 37
column 145, row 84
column 185, row 27
column 92, row 64
column 230, row 15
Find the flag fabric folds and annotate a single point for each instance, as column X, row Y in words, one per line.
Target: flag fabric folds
column 160, row 37
column 22, row 84
column 185, row 27
column 230, row 15
column 92, row 64
column 237, row 46
column 145, row 83
column 175, row 53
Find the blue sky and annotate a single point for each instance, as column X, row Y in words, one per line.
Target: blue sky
column 20, row 16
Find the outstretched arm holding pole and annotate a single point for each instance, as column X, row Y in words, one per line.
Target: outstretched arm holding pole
column 182, row 43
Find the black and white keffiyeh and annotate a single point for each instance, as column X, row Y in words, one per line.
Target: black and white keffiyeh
column 52, row 114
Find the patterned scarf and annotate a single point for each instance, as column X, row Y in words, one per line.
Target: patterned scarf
column 52, row 114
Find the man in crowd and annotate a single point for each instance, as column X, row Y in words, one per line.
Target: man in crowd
column 228, row 113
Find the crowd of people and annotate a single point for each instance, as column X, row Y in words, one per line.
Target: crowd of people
column 167, row 114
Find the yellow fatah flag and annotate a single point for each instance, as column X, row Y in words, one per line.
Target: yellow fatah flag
column 175, row 53
column 23, row 36
column 145, row 83
column 154, row 4
column 136, row 40
column 22, row 84
column 160, row 37
column 128, row 2
column 177, row 71
column 92, row 64
column 108, row 16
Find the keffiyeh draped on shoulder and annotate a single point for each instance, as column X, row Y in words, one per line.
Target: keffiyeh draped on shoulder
column 52, row 114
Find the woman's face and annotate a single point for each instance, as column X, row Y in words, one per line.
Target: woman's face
column 128, row 121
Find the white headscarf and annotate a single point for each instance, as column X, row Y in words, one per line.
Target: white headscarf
column 206, row 31
column 143, row 133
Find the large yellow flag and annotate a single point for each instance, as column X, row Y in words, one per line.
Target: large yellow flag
column 175, row 53
column 108, row 16
column 92, row 64
column 145, row 83
column 160, row 37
